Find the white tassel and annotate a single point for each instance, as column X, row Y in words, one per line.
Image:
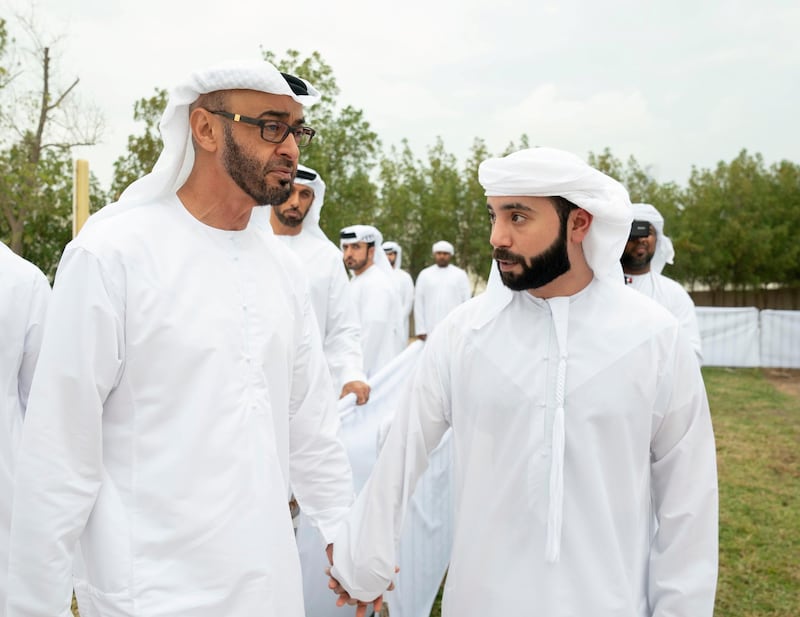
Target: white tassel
column 556, row 505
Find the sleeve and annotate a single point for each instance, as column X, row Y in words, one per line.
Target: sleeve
column 419, row 305
column 319, row 469
column 60, row 462
column 365, row 550
column 684, row 551
column 342, row 344
column 37, row 310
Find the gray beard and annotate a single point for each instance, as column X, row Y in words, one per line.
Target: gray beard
column 250, row 176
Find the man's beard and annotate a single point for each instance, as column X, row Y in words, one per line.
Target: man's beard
column 285, row 220
column 631, row 262
column 249, row 176
column 537, row 271
column 357, row 265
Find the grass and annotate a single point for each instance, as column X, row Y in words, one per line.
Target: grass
column 757, row 431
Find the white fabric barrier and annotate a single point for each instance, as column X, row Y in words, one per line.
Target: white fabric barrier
column 426, row 541
column 780, row 339
column 729, row 336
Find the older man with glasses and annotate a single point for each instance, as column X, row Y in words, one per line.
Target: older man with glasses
column 182, row 382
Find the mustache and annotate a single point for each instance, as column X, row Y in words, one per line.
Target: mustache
column 502, row 254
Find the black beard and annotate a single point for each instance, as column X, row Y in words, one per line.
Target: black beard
column 357, row 265
column 249, row 176
column 284, row 220
column 539, row 270
column 629, row 262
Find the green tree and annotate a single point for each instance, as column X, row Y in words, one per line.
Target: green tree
column 785, row 221
column 667, row 198
column 732, row 223
column 345, row 151
column 43, row 122
column 422, row 202
column 444, row 203
column 403, row 198
column 472, row 219
column 143, row 150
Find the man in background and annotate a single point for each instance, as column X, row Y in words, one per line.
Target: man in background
column 646, row 253
column 375, row 297
column 296, row 223
column 440, row 288
column 24, row 293
column 405, row 284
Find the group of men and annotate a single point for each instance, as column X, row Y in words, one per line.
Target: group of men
column 364, row 318
column 189, row 366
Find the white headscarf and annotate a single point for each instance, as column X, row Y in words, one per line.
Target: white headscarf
column 366, row 233
column 665, row 252
column 442, row 246
column 393, row 247
column 316, row 184
column 547, row 172
column 177, row 157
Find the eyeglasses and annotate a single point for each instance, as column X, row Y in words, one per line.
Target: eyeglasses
column 273, row 131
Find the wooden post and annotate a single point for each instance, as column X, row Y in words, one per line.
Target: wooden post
column 80, row 197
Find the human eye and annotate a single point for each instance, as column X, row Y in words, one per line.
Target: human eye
column 491, row 215
column 272, row 129
column 516, row 217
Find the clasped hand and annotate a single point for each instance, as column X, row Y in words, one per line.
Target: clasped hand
column 344, row 596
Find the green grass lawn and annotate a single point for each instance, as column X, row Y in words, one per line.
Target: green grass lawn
column 757, row 431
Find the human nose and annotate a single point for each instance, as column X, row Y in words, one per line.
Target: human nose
column 289, row 148
column 500, row 236
column 294, row 199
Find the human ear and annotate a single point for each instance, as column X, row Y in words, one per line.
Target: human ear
column 581, row 222
column 206, row 133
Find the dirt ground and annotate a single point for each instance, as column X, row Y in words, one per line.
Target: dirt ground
column 786, row 380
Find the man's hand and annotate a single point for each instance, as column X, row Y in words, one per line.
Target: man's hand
column 359, row 388
column 345, row 598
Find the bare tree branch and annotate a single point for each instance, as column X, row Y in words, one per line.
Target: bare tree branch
column 64, row 95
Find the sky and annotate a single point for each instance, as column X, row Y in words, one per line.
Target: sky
column 674, row 83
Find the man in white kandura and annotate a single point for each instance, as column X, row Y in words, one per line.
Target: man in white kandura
column 181, row 382
column 440, row 288
column 296, row 223
column 24, row 292
column 578, row 416
column 646, row 253
column 405, row 284
column 374, row 294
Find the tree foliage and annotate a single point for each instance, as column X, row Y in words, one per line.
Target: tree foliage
column 345, row 150
column 42, row 121
column 731, row 225
column 143, row 150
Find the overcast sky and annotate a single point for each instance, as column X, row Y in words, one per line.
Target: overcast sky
column 674, row 83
